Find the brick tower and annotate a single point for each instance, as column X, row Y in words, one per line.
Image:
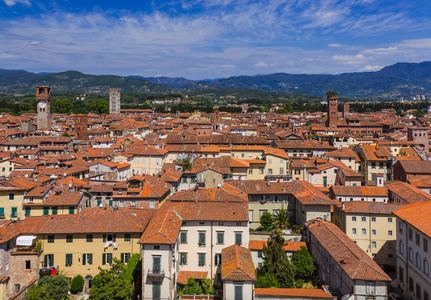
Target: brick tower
column 43, row 98
column 81, row 122
column 346, row 110
column 419, row 135
column 332, row 100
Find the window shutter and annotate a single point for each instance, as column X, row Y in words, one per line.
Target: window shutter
column 104, row 259
column 52, row 259
column 122, row 257
column 84, row 262
column 104, row 238
column 45, row 263
column 114, row 238
column 90, row 259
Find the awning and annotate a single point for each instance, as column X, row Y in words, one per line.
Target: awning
column 25, row 240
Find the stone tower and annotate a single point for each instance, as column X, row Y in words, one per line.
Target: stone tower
column 332, row 100
column 419, row 135
column 346, row 110
column 114, row 101
column 43, row 98
column 81, row 122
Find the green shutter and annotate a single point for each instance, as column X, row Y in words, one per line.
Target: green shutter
column 201, row 237
column 156, row 263
column 68, row 259
column 14, row 213
column 122, row 257
column 156, row 291
column 71, row 210
column 201, row 259
column 238, row 238
column 99, row 202
column 27, row 211
column 110, row 202
column 104, row 259
column 127, row 237
column 46, row 211
column 114, row 238
column 2, row 211
column 54, row 210
column 84, row 261
column 238, row 292
column 104, row 238
column 45, row 261
column 90, row 259
column 220, row 237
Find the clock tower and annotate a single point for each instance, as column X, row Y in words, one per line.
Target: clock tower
column 43, row 97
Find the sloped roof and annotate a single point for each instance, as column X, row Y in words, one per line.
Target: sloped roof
column 237, row 264
column 418, row 215
column 184, row 275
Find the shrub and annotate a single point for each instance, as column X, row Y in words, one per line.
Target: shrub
column 57, row 286
column 77, row 284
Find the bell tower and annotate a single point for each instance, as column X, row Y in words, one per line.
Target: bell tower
column 332, row 100
column 43, row 98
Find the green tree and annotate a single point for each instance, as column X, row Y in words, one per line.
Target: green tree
column 36, row 292
column 77, row 284
column 133, row 267
column 192, row 288
column 99, row 106
column 207, row 285
column 303, row 263
column 281, row 218
column 266, row 221
column 62, row 106
column 57, row 285
column 111, row 283
column 266, row 280
column 276, row 262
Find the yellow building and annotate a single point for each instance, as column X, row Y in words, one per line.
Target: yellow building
column 11, row 198
column 371, row 226
column 80, row 243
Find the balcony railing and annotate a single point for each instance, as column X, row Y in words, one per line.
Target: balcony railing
column 156, row 273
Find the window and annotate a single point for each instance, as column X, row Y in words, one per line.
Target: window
column 353, row 219
column 259, row 254
column 69, row 260
column 50, row 239
column 250, row 170
column 183, row 258
column 27, row 264
column 426, row 267
column 27, row 211
column 11, row 196
column 400, row 228
column 297, row 172
column 238, row 238
column 45, row 211
column 152, row 203
column 418, row 291
column 156, row 263
column 400, row 274
column 87, row 259
column 250, row 216
column 426, row 297
column 364, row 219
column 183, row 237
column 281, row 170
column 389, row 220
column 401, row 247
column 364, row 231
column 389, row 232
column 69, row 238
column 89, row 238
column 156, row 291
column 220, row 237
column 373, row 219
column 109, row 238
column 201, row 259
column 125, row 257
column 260, row 170
column 353, row 230
column 217, row 259
column 425, row 244
column 418, row 260
column 133, row 203
column 418, row 240
column 106, row 258
column 410, row 234
column 238, row 292
column 127, row 237
column 202, row 236
column 49, row 260
column 370, row 288
column 411, row 254
column 17, row 287
column 411, row 284
column 71, row 210
column 373, row 232
column 373, row 245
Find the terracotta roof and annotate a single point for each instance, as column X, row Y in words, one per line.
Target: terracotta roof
column 290, row 246
column 347, row 254
column 416, row 167
column 237, row 264
column 378, row 191
column 407, row 192
column 418, row 215
column 227, row 193
column 370, row 207
column 184, row 275
column 293, row 293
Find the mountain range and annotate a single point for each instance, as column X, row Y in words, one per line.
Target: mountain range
column 400, row 79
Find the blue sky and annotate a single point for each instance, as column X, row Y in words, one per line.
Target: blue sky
column 200, row 39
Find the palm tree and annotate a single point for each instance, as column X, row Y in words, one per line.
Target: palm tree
column 281, row 218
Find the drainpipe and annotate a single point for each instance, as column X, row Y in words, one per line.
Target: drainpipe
column 212, row 247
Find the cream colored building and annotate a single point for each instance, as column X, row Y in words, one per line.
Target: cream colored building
column 413, row 252
column 146, row 159
column 371, row 226
column 11, row 199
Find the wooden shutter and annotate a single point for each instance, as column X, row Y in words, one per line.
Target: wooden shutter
column 104, row 259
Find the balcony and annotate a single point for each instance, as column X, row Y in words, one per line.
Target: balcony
column 156, row 273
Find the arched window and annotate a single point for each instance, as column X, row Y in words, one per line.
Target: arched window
column 401, row 247
column 426, row 267
column 418, row 260
column 411, row 255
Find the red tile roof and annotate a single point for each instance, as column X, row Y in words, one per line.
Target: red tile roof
column 293, row 293
column 184, row 275
column 290, row 246
column 237, row 264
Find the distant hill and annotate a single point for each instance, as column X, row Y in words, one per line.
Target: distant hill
column 22, row 82
column 401, row 79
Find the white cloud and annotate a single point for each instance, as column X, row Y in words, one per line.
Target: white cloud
column 13, row 2
column 369, row 68
column 350, row 59
column 417, row 43
column 381, row 50
column 261, row 64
